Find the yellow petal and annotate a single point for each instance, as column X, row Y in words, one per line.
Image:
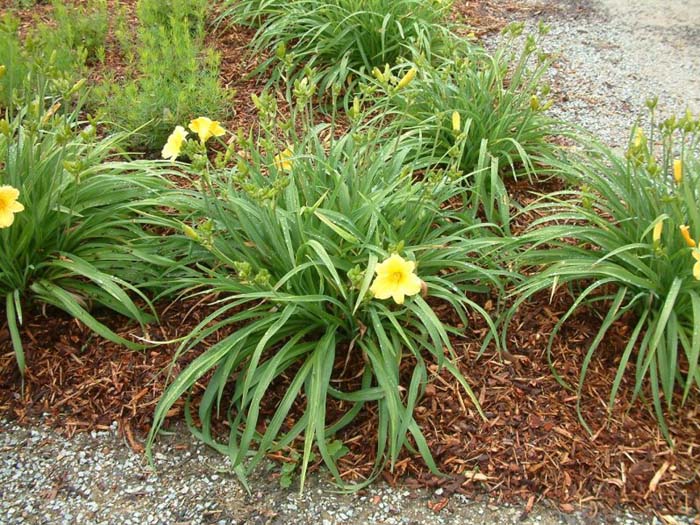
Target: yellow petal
column 202, row 127
column 216, row 129
column 6, row 219
column 172, row 147
column 413, row 285
column 696, row 270
column 398, row 296
column 381, row 288
column 8, row 194
column 16, row 207
column 685, row 232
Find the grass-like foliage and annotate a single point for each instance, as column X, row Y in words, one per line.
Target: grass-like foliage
column 295, row 234
column 337, row 37
column 627, row 241
column 69, row 218
column 477, row 100
column 176, row 79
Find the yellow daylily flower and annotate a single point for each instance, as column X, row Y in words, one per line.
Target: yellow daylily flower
column 696, row 266
column 685, row 232
column 9, row 205
column 456, row 121
column 407, row 78
column 395, row 278
column 172, row 147
column 678, row 170
column 282, row 160
column 206, row 128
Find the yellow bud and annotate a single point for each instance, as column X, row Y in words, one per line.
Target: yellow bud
column 3, row 69
column 534, row 103
column 76, row 87
column 378, row 74
column 678, row 170
column 685, row 232
column 407, row 78
column 656, row 235
column 189, row 232
column 456, row 122
column 356, row 106
column 638, row 137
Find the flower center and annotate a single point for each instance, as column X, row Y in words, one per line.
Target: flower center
column 397, row 276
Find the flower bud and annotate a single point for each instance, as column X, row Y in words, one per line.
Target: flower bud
column 189, row 232
column 456, row 122
column 678, row 170
column 656, row 235
column 407, row 78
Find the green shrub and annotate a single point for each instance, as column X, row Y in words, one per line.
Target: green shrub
column 476, row 100
column 176, row 80
column 295, row 233
column 79, row 27
column 16, row 67
column 74, row 242
column 160, row 13
column 617, row 241
column 338, row 37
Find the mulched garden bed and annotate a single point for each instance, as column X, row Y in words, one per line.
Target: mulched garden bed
column 531, row 446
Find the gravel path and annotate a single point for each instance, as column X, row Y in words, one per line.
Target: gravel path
column 613, row 54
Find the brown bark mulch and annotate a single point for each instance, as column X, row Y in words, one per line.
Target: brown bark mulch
column 531, row 446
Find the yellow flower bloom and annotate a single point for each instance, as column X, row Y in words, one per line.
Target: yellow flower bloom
column 172, row 147
column 678, row 170
column 685, row 232
column 456, row 122
column 206, row 128
column 283, row 160
column 9, row 205
column 696, row 266
column 395, row 278
column 407, row 78
column 656, row 235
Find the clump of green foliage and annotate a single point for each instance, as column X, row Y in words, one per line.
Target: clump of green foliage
column 340, row 37
column 293, row 236
column 626, row 240
column 477, row 101
column 77, row 239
